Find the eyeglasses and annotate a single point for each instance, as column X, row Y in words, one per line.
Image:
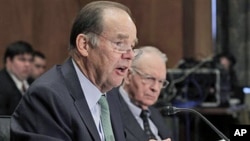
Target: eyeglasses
column 147, row 79
column 121, row 47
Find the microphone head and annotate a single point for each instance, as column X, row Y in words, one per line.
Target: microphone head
column 168, row 110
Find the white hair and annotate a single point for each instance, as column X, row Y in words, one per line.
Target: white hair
column 149, row 50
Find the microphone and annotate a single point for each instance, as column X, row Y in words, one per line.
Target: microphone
column 170, row 110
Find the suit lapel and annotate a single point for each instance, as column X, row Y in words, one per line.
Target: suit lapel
column 13, row 84
column 158, row 121
column 87, row 118
column 131, row 125
column 116, row 117
column 77, row 94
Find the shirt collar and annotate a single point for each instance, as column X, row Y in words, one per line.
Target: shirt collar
column 91, row 92
column 136, row 111
column 18, row 82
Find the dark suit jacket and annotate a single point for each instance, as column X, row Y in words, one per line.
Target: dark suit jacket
column 133, row 131
column 55, row 109
column 9, row 93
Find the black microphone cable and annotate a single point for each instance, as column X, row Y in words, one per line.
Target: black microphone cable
column 170, row 110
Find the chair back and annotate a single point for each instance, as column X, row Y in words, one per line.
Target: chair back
column 4, row 128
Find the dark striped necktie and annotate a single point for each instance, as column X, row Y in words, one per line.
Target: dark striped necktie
column 144, row 115
column 23, row 87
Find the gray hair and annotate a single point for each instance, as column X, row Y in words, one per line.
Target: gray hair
column 149, row 50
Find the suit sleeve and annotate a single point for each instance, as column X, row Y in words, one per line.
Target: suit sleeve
column 163, row 129
column 41, row 116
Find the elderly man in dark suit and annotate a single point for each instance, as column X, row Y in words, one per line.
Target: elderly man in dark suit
column 140, row 90
column 68, row 102
column 13, row 77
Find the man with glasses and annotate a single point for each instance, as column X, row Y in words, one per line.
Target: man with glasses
column 68, row 102
column 139, row 91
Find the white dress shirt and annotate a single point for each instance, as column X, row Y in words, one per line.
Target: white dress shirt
column 92, row 95
column 19, row 83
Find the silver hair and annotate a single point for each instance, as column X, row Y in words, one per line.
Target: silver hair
column 149, row 50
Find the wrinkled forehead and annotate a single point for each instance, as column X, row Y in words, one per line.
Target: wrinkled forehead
column 147, row 62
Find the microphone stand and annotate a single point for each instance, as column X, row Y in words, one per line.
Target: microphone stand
column 173, row 110
column 171, row 86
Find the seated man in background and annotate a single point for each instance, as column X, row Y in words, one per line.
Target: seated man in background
column 13, row 77
column 38, row 65
column 139, row 91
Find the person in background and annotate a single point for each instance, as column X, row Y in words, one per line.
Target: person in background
column 38, row 66
column 139, row 91
column 228, row 80
column 13, row 77
column 68, row 102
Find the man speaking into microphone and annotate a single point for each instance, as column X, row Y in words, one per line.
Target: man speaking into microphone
column 68, row 102
column 140, row 90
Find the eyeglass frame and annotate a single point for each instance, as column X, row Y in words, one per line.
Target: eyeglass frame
column 146, row 78
column 121, row 48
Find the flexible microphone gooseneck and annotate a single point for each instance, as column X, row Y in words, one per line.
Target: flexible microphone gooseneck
column 170, row 110
column 171, row 86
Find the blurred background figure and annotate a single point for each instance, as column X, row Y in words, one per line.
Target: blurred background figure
column 38, row 65
column 139, row 92
column 229, row 87
column 13, row 77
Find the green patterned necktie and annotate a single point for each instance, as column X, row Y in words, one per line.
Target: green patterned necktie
column 105, row 119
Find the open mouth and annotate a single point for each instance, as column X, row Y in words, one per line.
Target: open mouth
column 122, row 70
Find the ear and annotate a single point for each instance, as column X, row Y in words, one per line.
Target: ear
column 82, row 44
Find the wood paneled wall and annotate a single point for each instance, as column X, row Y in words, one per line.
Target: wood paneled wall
column 197, row 29
column 169, row 25
column 43, row 23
